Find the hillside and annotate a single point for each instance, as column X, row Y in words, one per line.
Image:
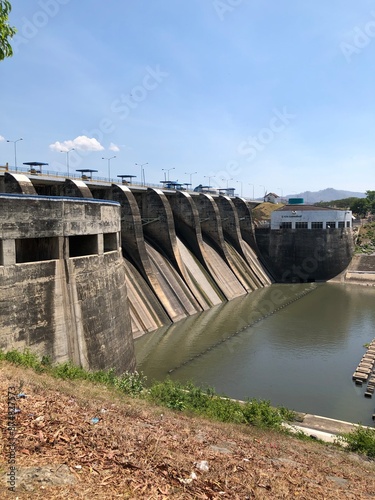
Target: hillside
column 328, row 194
column 138, row 450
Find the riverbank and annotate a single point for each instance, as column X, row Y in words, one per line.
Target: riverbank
column 81, row 440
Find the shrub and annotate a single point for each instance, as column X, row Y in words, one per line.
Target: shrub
column 130, row 383
column 206, row 403
column 262, row 414
column 25, row 358
column 69, row 371
column 174, row 395
column 361, row 440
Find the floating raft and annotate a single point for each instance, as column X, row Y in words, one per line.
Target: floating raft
column 365, row 371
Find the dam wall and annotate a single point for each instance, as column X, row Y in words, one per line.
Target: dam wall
column 181, row 253
column 302, row 255
column 62, row 281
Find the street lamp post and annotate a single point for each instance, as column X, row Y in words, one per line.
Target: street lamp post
column 261, row 185
column 240, row 182
column 227, row 181
column 109, row 165
column 191, row 175
column 143, row 180
column 253, row 189
column 166, row 176
column 15, row 150
column 67, row 158
column 209, row 177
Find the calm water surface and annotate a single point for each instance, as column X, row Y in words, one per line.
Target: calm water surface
column 295, row 345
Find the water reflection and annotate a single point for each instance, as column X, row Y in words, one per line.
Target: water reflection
column 300, row 354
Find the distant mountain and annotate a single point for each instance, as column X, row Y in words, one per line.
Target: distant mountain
column 328, row 194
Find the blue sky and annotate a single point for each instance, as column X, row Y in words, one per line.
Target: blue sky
column 255, row 94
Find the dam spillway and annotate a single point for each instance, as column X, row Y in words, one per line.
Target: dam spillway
column 139, row 258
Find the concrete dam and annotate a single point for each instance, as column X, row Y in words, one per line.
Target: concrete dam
column 87, row 266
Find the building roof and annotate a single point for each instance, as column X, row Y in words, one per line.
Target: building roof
column 303, row 208
column 34, row 163
column 272, row 194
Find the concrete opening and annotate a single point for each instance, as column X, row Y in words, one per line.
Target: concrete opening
column 36, row 249
column 110, row 242
column 83, row 245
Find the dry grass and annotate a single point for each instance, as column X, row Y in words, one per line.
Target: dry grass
column 137, row 450
column 263, row 211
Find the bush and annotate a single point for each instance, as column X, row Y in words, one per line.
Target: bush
column 206, row 403
column 262, row 414
column 130, row 383
column 25, row 358
column 225, row 410
column 69, row 371
column 361, row 440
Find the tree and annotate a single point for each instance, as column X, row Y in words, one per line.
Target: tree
column 360, row 206
column 6, row 31
column 370, row 195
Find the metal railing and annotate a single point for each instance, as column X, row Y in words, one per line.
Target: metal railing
column 76, row 175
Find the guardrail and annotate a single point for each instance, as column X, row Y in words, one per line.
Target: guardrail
column 76, row 175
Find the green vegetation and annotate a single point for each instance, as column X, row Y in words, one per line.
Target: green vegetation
column 128, row 383
column 363, row 206
column 344, row 203
column 6, row 31
column 359, row 206
column 173, row 395
column 361, row 440
column 207, row 403
column 365, row 242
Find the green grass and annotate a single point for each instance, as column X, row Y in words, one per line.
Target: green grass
column 365, row 243
column 174, row 395
column 128, row 383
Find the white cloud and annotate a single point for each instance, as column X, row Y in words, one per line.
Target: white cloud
column 113, row 147
column 81, row 143
column 2, row 138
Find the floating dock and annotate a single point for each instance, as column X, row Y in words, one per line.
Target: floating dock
column 365, row 372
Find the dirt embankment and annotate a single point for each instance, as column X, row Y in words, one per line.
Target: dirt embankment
column 78, row 440
column 262, row 212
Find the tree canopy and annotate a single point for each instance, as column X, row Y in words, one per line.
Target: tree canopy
column 6, row 31
column 359, row 206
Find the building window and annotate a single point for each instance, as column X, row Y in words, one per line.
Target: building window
column 330, row 225
column 110, row 242
column 286, row 225
column 348, row 223
column 301, row 225
column 317, row 225
column 36, row 249
column 341, row 224
column 83, row 245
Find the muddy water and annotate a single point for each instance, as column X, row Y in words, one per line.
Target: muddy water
column 295, row 345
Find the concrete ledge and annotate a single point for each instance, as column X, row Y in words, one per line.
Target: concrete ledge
column 323, row 428
column 360, row 276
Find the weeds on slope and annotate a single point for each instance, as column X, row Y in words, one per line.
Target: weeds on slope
column 361, row 440
column 174, row 395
